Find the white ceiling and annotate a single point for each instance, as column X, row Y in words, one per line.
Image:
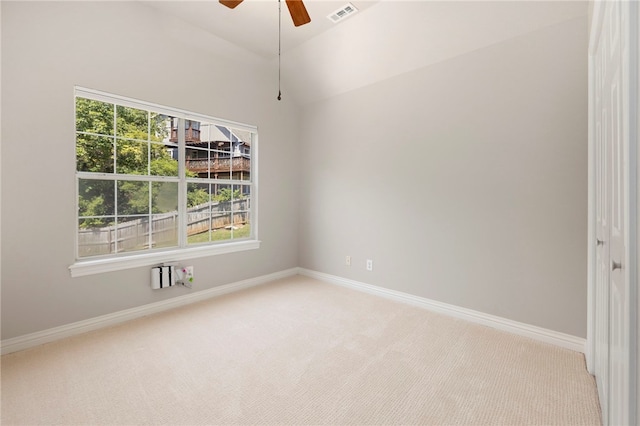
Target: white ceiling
column 253, row 24
column 384, row 39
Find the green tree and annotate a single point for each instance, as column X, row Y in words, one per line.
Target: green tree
column 196, row 195
column 94, row 126
column 113, row 138
column 225, row 194
column 124, row 140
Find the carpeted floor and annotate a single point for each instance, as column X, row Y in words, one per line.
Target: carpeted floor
column 297, row 351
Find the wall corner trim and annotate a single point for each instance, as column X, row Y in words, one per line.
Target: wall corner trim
column 30, row 340
column 544, row 335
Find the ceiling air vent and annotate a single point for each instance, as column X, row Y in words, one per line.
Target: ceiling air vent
column 342, row 13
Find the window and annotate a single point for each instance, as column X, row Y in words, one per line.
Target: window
column 158, row 184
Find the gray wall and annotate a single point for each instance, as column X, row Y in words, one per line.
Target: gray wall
column 465, row 182
column 124, row 48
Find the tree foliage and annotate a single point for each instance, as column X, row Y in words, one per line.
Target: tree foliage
column 117, row 139
column 196, row 195
column 226, row 194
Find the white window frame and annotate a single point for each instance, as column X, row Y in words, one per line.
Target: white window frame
column 116, row 262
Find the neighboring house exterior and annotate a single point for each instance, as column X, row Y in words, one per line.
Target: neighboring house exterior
column 214, row 151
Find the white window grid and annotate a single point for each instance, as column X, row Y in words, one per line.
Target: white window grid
column 181, row 180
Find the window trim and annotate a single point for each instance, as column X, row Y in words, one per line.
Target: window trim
column 116, row 262
column 110, row 264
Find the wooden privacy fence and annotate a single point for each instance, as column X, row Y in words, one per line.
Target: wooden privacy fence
column 134, row 234
column 198, row 217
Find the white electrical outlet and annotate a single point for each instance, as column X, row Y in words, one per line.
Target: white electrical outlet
column 369, row 265
column 347, row 261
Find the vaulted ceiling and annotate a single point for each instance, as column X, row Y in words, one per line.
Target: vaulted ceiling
column 384, row 39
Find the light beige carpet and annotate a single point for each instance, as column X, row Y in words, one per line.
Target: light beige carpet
column 297, row 351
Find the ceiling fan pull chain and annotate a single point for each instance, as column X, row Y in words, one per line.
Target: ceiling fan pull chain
column 279, row 44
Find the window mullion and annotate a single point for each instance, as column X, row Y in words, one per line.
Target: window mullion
column 115, row 139
column 115, row 215
column 77, row 206
column 253, row 192
column 115, row 181
column 149, row 143
column 182, row 186
column 150, row 215
column 150, row 184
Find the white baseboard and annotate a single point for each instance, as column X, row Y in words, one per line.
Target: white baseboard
column 537, row 333
column 34, row 339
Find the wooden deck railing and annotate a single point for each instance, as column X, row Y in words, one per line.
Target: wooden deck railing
column 219, row 165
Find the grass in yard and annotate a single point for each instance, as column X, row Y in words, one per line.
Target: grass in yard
column 243, row 231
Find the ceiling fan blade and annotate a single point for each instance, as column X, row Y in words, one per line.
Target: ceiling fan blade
column 298, row 12
column 231, row 3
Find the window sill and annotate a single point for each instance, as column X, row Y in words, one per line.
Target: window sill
column 98, row 266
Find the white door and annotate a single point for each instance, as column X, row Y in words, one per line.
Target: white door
column 618, row 138
column 602, row 245
column 613, row 305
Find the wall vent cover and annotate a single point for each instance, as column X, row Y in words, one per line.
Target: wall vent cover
column 342, row 13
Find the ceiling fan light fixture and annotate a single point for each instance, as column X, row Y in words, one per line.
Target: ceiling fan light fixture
column 298, row 12
column 342, row 13
column 231, row 4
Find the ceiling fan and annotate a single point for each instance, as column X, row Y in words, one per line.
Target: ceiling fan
column 296, row 9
